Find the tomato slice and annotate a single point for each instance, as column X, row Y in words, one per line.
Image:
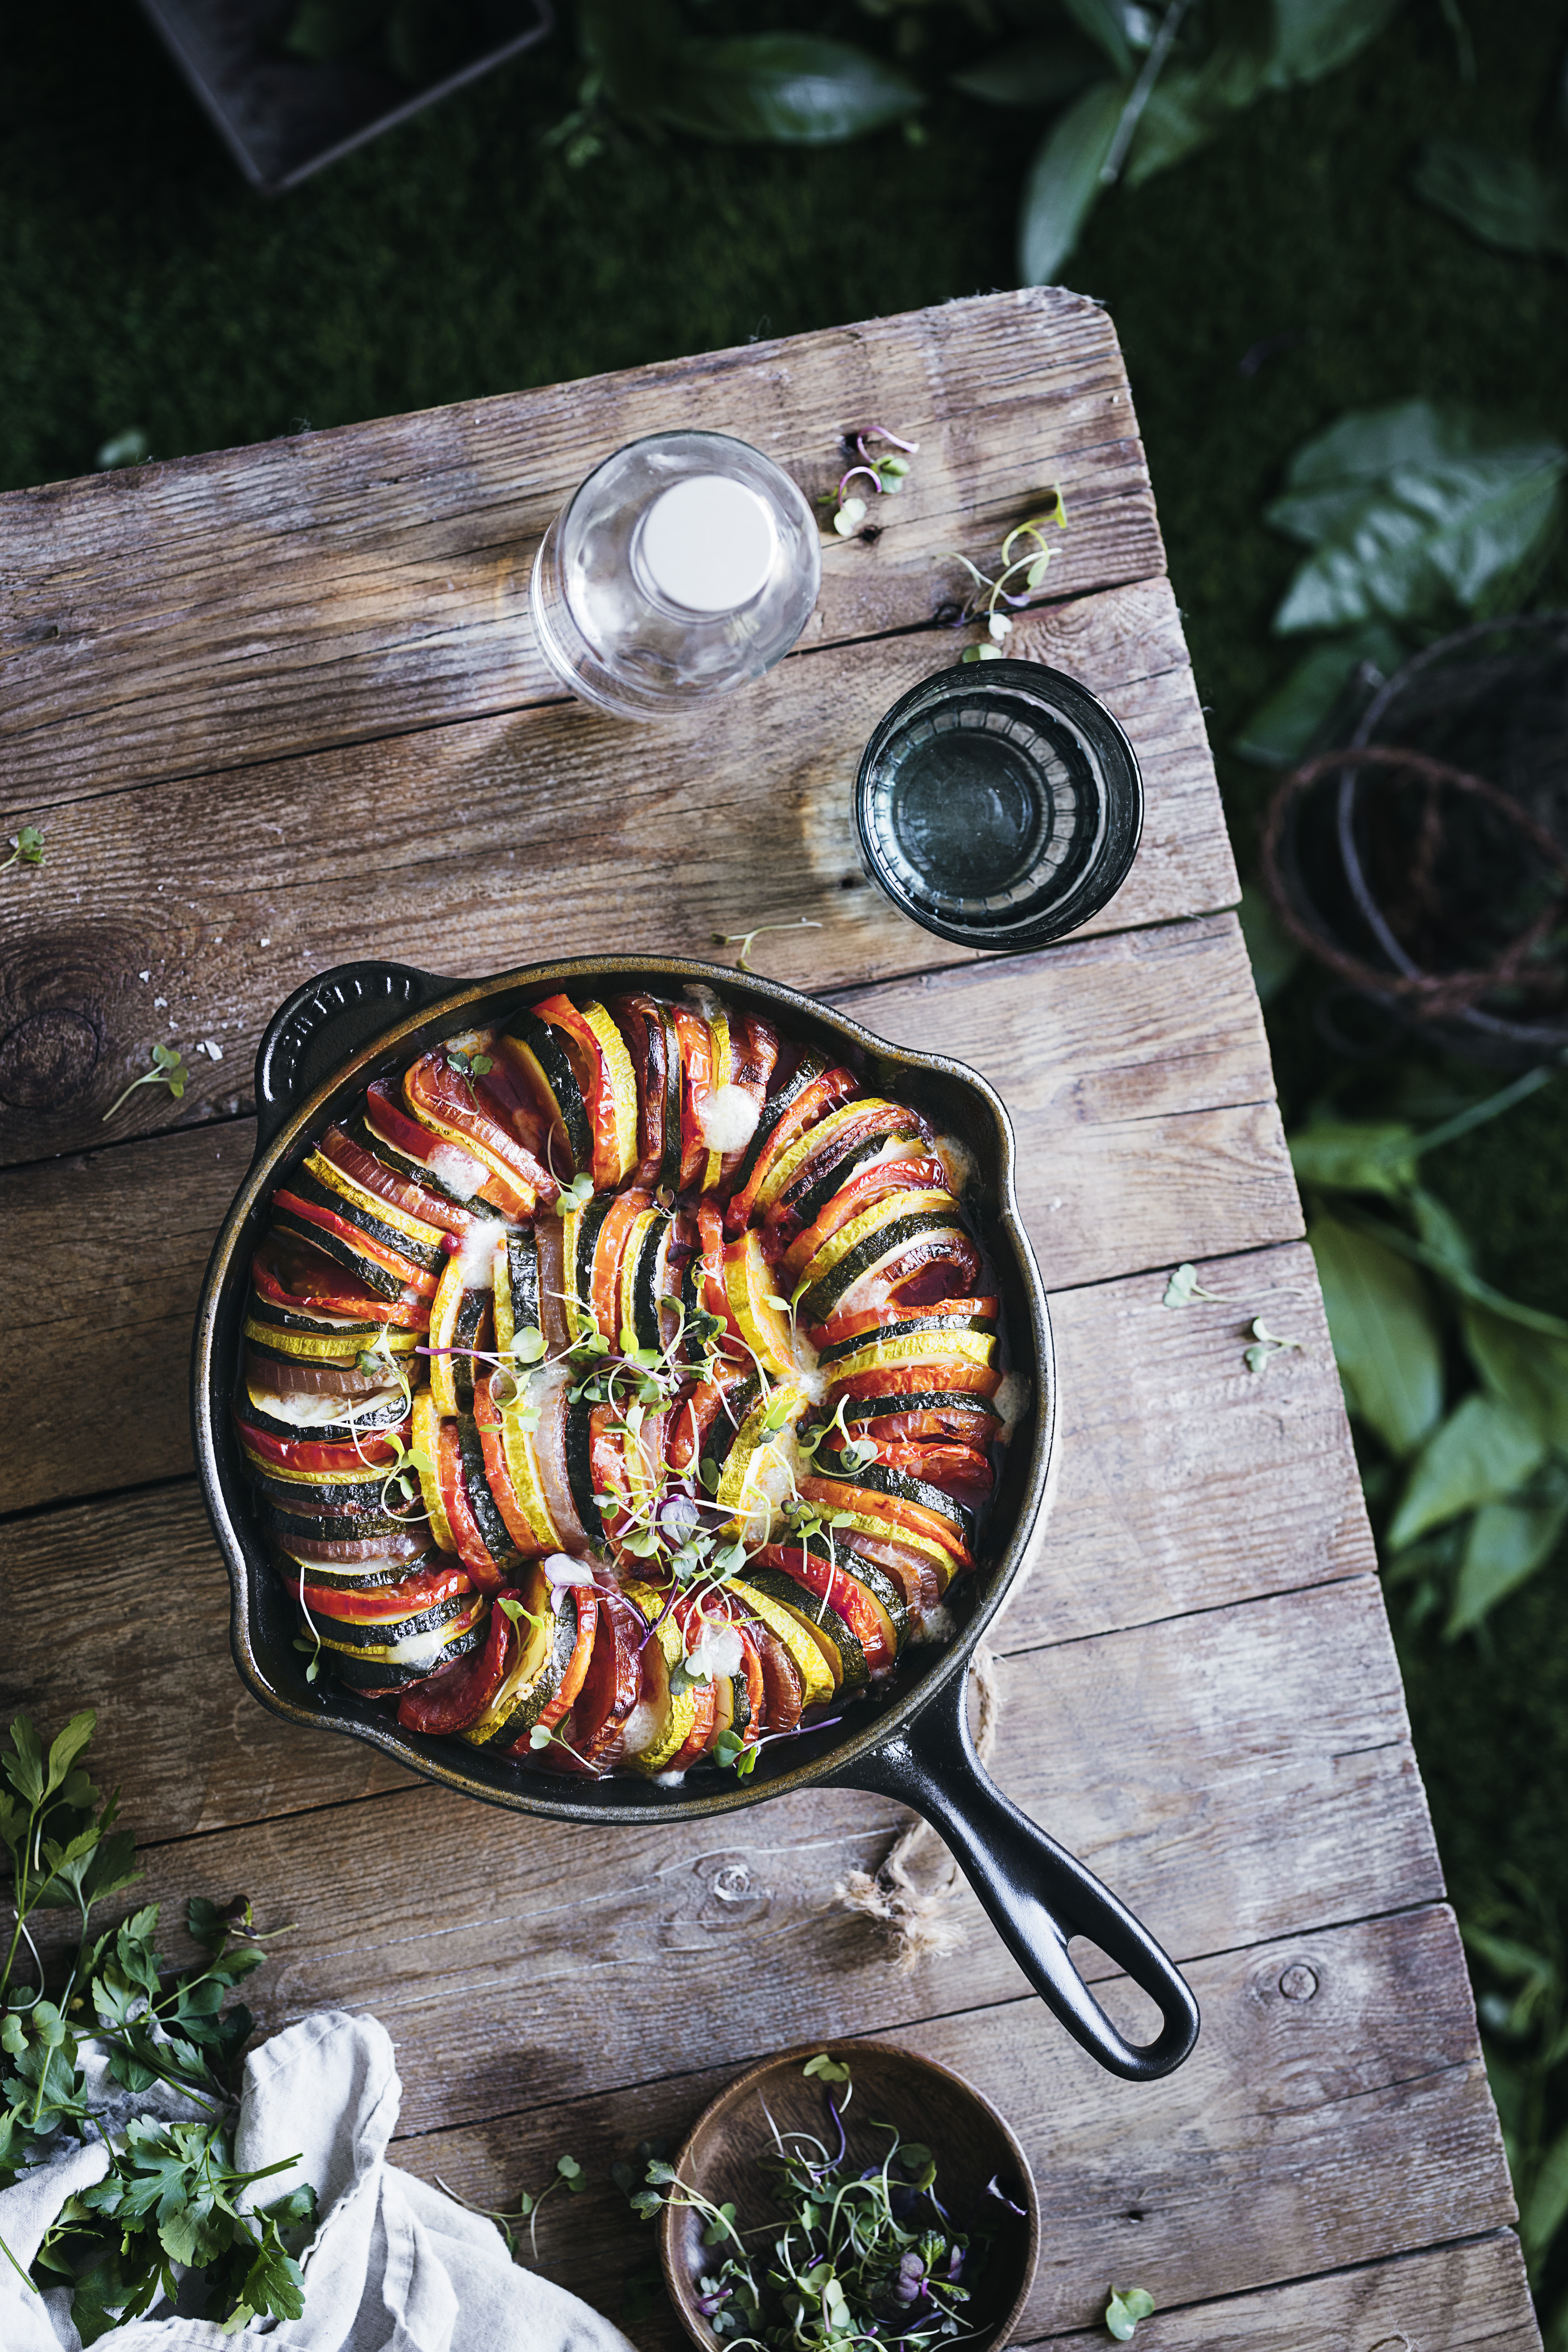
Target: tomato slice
column 594, row 1729
column 457, row 1108
column 377, row 1604
column 881, row 1176
column 373, row 1450
column 861, row 1611
column 472, row 1550
column 605, row 1288
column 311, row 1213
column 961, row 1471
column 302, row 1282
column 572, row 1681
column 813, row 1103
column 894, row 1510
column 454, row 1696
column 373, row 1175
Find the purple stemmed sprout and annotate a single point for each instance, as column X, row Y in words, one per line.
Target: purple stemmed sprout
column 1019, row 579
column 884, row 474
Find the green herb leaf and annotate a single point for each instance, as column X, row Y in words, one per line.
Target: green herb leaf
column 1385, row 1337
column 1060, row 188
column 824, row 2069
column 1481, row 1454
column 1505, row 200
column 1126, row 2308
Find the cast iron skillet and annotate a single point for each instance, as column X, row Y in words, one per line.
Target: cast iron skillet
column 365, row 1021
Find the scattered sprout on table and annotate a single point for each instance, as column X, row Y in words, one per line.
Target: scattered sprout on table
column 1127, row 2307
column 168, row 1070
column 884, row 475
column 27, row 849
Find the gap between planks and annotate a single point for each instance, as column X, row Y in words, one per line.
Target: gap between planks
column 1295, row 2120
column 436, row 849
column 163, row 608
column 1135, row 1068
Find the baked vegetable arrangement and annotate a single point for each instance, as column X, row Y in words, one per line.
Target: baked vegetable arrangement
column 618, row 1390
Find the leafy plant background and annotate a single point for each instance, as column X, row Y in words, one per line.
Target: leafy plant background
column 1304, row 263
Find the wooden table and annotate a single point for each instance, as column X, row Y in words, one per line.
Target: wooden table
column 281, row 707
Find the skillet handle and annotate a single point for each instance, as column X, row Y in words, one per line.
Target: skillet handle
column 323, row 1024
column 1037, row 1894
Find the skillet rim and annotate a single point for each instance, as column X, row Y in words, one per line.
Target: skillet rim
column 210, row 1385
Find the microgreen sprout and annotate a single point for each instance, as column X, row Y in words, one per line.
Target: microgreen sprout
column 569, row 2175
column 27, row 849
column 469, row 1065
column 744, row 939
column 1018, row 580
column 574, row 1194
column 1184, row 1289
column 1127, row 2307
column 883, row 473
column 868, row 2253
column 167, row 1070
column 1267, row 1344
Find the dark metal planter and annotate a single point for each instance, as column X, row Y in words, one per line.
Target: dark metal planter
column 911, row 1740
column 282, row 118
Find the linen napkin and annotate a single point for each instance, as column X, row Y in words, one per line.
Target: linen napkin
column 395, row 2266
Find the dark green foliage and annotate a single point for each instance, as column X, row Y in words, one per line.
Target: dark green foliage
column 170, row 2196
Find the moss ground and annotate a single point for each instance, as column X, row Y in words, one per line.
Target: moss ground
column 141, row 285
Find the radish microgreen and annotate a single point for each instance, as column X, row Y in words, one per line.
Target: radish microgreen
column 883, row 475
column 569, row 2175
column 27, row 849
column 1127, row 2307
column 868, row 2253
column 168, row 1070
column 1185, row 1289
column 1018, row 580
column 744, row 939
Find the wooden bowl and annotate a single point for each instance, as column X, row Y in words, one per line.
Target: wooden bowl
column 971, row 2143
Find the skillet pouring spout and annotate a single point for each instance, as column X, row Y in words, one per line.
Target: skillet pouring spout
column 1037, row 1895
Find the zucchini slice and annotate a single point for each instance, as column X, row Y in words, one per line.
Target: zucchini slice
column 810, row 1658
column 642, row 1281
column 876, row 1478
column 538, row 1654
column 580, row 1466
column 427, row 1445
column 878, row 1235
column 536, row 1050
column 515, row 1287
column 494, row 1534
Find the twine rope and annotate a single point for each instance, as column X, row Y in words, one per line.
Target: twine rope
column 1435, row 994
column 915, row 1922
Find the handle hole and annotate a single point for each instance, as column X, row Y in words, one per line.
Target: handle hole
column 1128, row 2006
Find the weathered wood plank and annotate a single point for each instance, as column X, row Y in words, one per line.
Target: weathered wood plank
column 1301, row 2134
column 555, row 831
column 1135, row 1068
column 1470, row 2297
column 1148, row 1522
column 1235, row 1775
column 336, row 586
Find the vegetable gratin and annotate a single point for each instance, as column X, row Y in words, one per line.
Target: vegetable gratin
column 621, row 1390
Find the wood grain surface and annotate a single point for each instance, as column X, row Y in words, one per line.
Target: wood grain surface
column 281, row 707
column 331, row 587
column 1149, row 1522
column 475, row 847
column 1132, row 2181
column 1171, row 1145
column 1306, row 1810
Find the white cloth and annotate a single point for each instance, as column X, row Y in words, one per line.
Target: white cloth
column 395, row 2266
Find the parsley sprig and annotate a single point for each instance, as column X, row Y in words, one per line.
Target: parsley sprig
column 171, row 2199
